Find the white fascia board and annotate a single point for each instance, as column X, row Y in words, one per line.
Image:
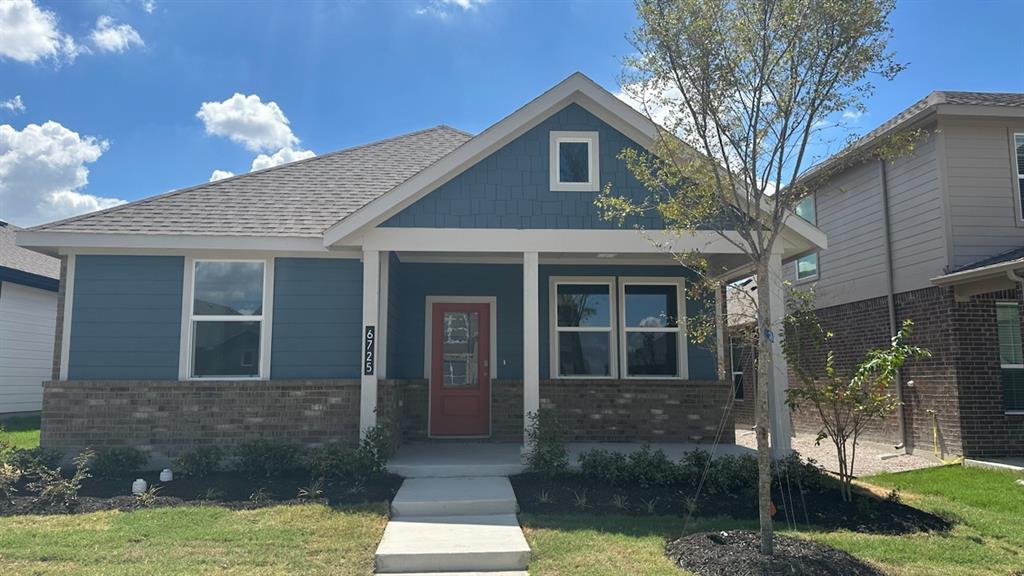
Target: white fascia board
column 576, row 88
column 557, row 241
column 77, row 240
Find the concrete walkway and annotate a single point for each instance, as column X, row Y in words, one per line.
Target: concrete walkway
column 464, row 525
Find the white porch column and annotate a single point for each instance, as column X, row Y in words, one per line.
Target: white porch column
column 368, row 361
column 531, row 340
column 382, row 316
column 778, row 378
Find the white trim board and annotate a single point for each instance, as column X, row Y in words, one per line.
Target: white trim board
column 71, row 240
column 65, row 329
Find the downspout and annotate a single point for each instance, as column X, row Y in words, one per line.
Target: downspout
column 891, row 299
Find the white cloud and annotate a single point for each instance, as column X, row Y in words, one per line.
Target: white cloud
column 259, row 126
column 108, row 36
column 42, row 169
column 220, row 175
column 13, row 104
column 282, row 156
column 853, row 114
column 149, row 6
column 445, row 8
column 30, row 34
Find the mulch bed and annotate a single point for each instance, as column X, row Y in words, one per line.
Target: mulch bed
column 227, row 489
column 738, row 553
column 824, row 508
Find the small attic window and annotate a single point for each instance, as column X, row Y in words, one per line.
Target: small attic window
column 574, row 162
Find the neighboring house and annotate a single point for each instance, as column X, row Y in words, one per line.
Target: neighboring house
column 28, row 317
column 936, row 237
column 440, row 283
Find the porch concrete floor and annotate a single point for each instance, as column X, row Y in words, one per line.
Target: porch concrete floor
column 457, row 459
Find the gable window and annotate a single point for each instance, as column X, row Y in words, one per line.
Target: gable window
column 807, row 267
column 805, row 209
column 1018, row 145
column 226, row 318
column 653, row 340
column 584, row 333
column 574, row 162
column 1011, row 357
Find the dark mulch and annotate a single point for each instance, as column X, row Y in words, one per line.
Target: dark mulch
column 821, row 507
column 228, row 489
column 738, row 553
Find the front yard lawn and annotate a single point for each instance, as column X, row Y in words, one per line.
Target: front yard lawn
column 22, row 431
column 987, row 538
column 293, row 539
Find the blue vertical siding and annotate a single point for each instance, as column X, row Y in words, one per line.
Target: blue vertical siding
column 317, row 317
column 126, row 318
column 412, row 283
column 511, row 187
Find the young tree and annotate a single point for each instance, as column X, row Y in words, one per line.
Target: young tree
column 743, row 88
column 846, row 403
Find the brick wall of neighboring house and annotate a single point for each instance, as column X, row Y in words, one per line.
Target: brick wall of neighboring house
column 166, row 418
column 58, row 334
column 987, row 430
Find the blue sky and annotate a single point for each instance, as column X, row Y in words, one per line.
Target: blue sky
column 345, row 74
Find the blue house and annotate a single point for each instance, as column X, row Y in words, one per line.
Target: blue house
column 443, row 284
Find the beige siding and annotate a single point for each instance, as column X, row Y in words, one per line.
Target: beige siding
column 27, row 320
column 917, row 219
column 984, row 215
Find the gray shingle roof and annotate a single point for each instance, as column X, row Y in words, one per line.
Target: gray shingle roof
column 1001, row 258
column 13, row 256
column 1011, row 99
column 300, row 199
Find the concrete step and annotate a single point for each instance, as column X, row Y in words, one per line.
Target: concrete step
column 456, row 460
column 454, row 497
column 431, row 544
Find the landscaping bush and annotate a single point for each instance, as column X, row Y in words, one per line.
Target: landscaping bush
column 733, row 475
column 28, row 459
column 200, row 462
column 53, row 489
column 652, row 468
column 118, row 461
column 547, row 450
column 376, row 447
column 337, row 461
column 605, row 466
column 265, row 458
column 9, row 476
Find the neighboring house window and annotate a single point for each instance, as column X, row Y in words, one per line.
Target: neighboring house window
column 1011, row 358
column 1018, row 143
column 227, row 318
column 574, row 162
column 738, row 353
column 653, row 341
column 807, row 267
column 806, row 210
column 584, row 333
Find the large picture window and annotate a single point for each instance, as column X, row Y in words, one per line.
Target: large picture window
column 584, row 330
column 1011, row 356
column 227, row 318
column 653, row 339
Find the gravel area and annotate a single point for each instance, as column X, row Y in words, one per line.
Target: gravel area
column 868, row 454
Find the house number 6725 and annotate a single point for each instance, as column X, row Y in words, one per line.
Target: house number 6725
column 369, row 358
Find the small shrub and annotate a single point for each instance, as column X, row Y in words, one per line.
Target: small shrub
column 620, row 501
column 605, row 466
column 118, row 461
column 545, row 497
column 267, row 459
column 893, row 497
column 199, row 462
column 53, row 489
column 313, row 491
column 731, row 475
column 31, row 458
column 580, row 499
column 212, row 494
column 376, row 447
column 9, row 476
column 338, row 461
column 547, row 450
column 260, row 496
column 148, row 497
column 649, row 506
column 651, row 468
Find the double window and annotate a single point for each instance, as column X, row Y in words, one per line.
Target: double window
column 226, row 318
column 574, row 162
column 603, row 323
column 1011, row 357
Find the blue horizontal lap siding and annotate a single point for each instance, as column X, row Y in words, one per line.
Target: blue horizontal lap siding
column 126, row 318
column 317, row 316
column 511, row 187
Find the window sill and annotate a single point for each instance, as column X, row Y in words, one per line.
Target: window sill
column 223, row 378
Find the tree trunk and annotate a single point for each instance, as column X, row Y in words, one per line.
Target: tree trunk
column 761, row 415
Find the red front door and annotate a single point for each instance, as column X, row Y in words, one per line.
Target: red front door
column 460, row 379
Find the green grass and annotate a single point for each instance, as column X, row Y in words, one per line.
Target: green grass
column 988, row 538
column 302, row 539
column 22, row 431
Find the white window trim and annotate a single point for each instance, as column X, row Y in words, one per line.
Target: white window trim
column 553, row 283
column 594, row 166
column 1017, row 177
column 682, row 340
column 796, row 268
column 185, row 362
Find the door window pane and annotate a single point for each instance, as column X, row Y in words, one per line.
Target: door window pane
column 651, row 306
column 584, row 305
column 226, row 348
column 652, row 353
column 461, row 349
column 574, row 162
column 584, row 354
column 228, row 289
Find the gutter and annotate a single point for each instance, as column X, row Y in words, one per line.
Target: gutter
column 891, row 298
column 978, row 273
